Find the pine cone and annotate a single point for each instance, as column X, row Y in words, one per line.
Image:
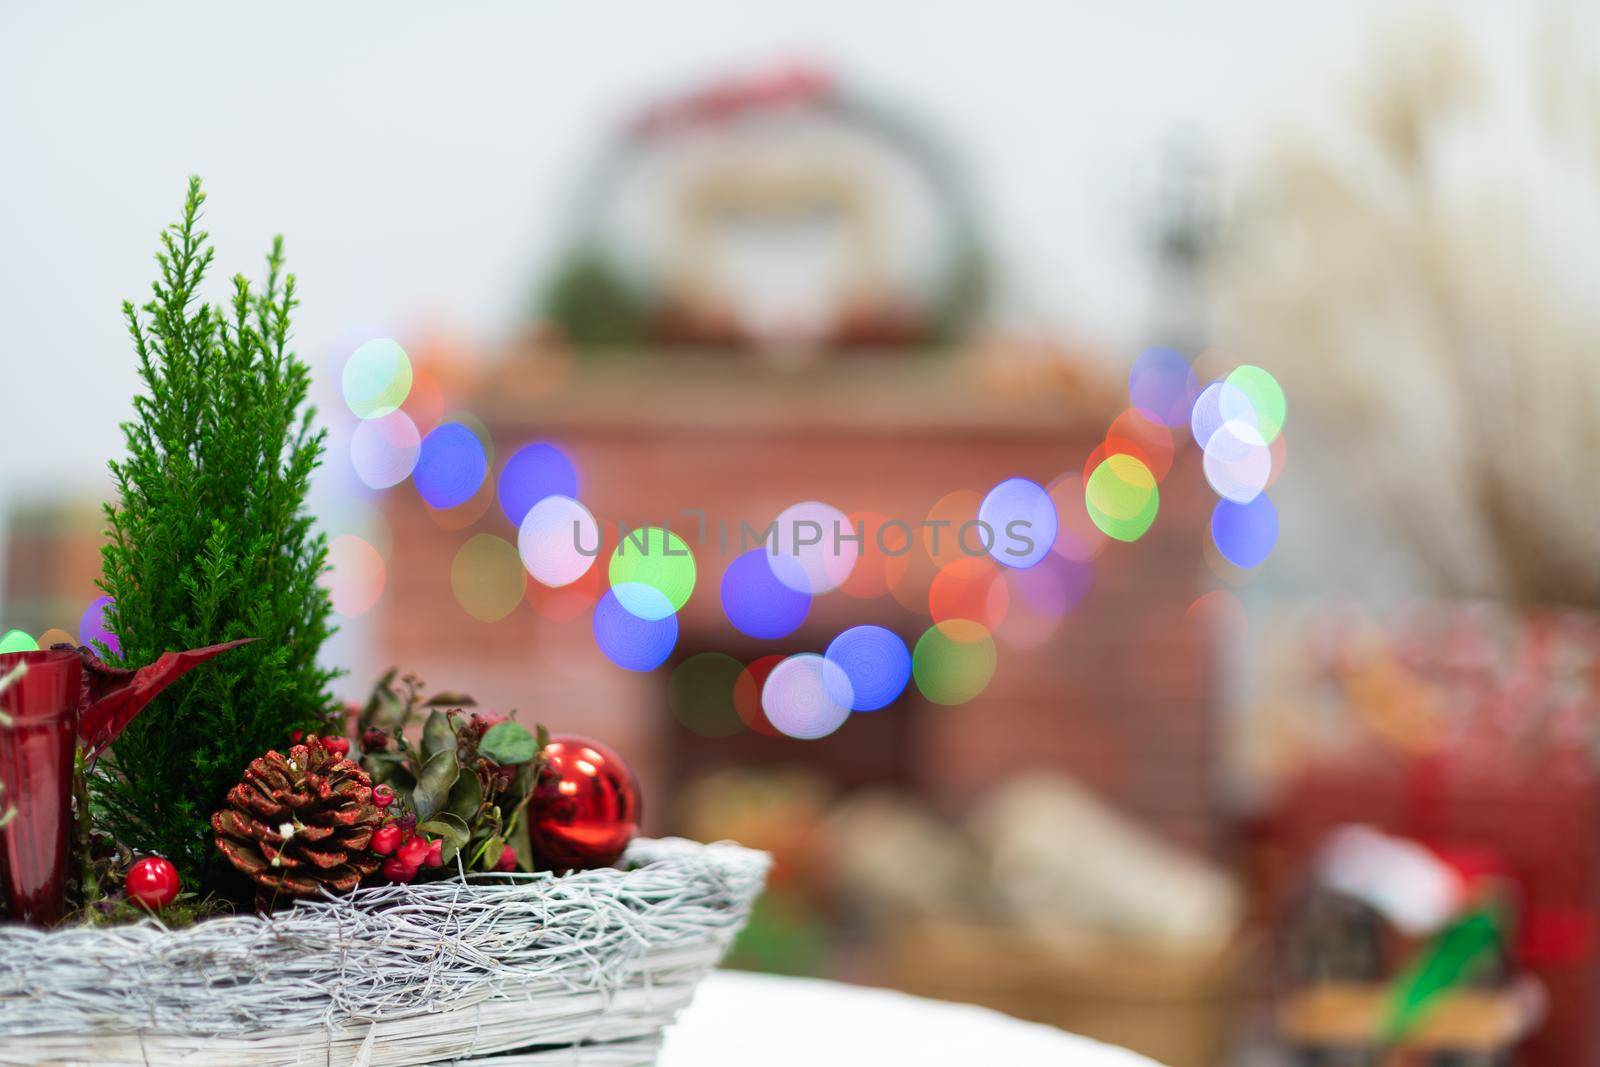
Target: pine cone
column 300, row 822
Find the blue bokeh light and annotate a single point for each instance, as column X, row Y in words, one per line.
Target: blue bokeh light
column 876, row 663
column 630, row 641
column 1018, row 512
column 451, row 466
column 757, row 602
column 1218, row 404
column 1162, row 385
column 1245, row 533
column 532, row 473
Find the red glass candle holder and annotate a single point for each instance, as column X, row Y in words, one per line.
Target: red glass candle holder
column 38, row 740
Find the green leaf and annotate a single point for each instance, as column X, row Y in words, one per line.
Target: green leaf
column 466, row 797
column 522, row 842
column 388, row 768
column 508, row 743
column 439, row 735
column 438, row 777
column 450, row 827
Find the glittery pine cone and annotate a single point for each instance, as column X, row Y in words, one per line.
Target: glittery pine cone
column 300, row 823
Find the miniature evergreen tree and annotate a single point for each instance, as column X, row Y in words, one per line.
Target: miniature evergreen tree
column 211, row 541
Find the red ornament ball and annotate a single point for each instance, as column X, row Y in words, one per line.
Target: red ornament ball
column 585, row 808
column 153, row 882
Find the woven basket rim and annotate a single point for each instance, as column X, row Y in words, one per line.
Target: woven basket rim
column 642, row 854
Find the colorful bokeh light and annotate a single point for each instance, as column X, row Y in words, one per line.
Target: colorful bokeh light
column 701, row 694
column 652, row 557
column 951, row 531
column 1265, row 397
column 747, row 695
column 355, row 576
column 1133, row 433
column 802, row 697
column 813, row 549
column 757, row 603
column 970, row 588
column 532, row 473
column 18, row 641
column 92, row 629
column 55, row 636
column 869, row 578
column 558, row 540
column 1220, row 613
column 1245, row 533
column 634, row 641
column 487, row 578
column 1238, row 463
column 384, row 450
column 953, row 661
column 1121, row 497
column 1021, row 519
column 1162, row 384
column 377, row 378
column 876, row 664
column 1219, row 403
column 1041, row 597
column 451, row 466
column 1077, row 537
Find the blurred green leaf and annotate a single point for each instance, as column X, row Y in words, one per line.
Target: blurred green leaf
column 438, row 777
column 508, row 743
column 466, row 797
column 438, row 735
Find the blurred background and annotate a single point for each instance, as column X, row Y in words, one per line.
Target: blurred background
column 1274, row 752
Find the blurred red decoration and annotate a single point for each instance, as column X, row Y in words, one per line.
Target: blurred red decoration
column 1133, row 434
column 153, row 882
column 585, row 808
column 38, row 736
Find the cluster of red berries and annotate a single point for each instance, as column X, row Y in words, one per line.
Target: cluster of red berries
column 407, row 850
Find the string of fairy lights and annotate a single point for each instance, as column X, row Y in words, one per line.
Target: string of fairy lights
column 979, row 571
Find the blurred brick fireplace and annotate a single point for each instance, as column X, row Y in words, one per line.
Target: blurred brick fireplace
column 1122, row 696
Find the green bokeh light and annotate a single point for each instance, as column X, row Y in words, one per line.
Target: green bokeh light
column 1121, row 497
column 700, row 693
column 487, row 577
column 954, row 661
column 377, row 378
column 18, row 641
column 1265, row 396
column 655, row 557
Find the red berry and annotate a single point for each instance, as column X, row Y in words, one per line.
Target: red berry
column 413, row 851
column 508, row 859
column 374, row 740
column 382, row 795
column 385, row 839
column 295, row 736
column 396, row 871
column 337, row 745
column 435, row 856
column 153, row 882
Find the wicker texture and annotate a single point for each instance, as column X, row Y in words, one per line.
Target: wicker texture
column 393, row 974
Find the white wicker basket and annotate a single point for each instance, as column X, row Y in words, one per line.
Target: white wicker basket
column 584, row 969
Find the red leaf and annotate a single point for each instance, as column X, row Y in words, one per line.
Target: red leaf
column 112, row 697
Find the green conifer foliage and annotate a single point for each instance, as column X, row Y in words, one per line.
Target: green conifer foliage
column 210, row 541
